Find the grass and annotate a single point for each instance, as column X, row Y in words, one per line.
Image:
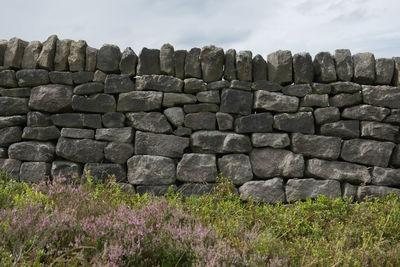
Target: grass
column 60, row 224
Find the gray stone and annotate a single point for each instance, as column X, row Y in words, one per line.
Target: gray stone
column 366, row 112
column 306, row 109
column 13, row 106
column 32, row 77
column 396, row 72
column 349, row 191
column 3, row 152
column 274, row 140
column 167, row 60
column 11, row 167
column 139, row 101
column 236, row 167
column 41, row 133
column 162, row 83
column 316, row 146
column 89, row 88
column 326, row 115
column 219, row 142
column 66, row 169
column 91, row 59
column 104, row 171
column 32, row 151
column 383, row 96
column 345, row 87
column 192, row 63
column 236, row 101
column 302, row 189
column 154, row 122
column 225, row 121
column 345, row 100
column 299, row 90
column 182, row 131
column 393, row 119
column 230, row 65
column 259, row 66
column 195, row 189
column 124, row 135
column 384, row 70
column 82, row 77
column 367, row 152
column 61, row 55
column 241, row 85
column 343, row 64
column 7, row 79
column 193, row 85
column 77, row 55
column 99, row 76
column 364, row 68
column 244, row 65
column 151, row 170
column 10, row 135
column 271, row 162
column 77, row 133
column 218, row 85
column 108, row 58
column 115, row 83
column 9, row 121
column 301, row 122
column 200, row 121
column 34, row 172
column 179, row 63
column 156, row 190
column 208, row 97
column 118, row 152
column 31, row 55
column 386, row 176
column 16, row 92
column 260, row 122
column 80, row 150
column 324, row 68
column 372, row 191
column 149, row 62
column 160, row 144
column 175, row 115
column 321, row 88
column 128, row 63
column 315, row 100
column 3, row 47
column 271, row 101
column 303, row 69
column 270, row 191
column 212, row 63
column 113, row 119
column 61, row 77
column 201, row 107
column 343, row 128
column 280, row 67
column 51, row 98
column 197, row 168
column 14, row 53
column 46, row 57
column 76, row 120
column 266, row 86
column 381, row 131
column 100, row 103
column 395, row 158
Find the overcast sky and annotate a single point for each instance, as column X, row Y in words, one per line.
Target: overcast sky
column 259, row 26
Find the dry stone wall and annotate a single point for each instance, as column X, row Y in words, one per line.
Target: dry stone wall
column 283, row 128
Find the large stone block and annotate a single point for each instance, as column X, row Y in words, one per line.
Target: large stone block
column 3, row 47
column 118, row 152
column 299, row 90
column 260, row 122
column 104, row 171
column 275, row 101
column 383, row 96
column 345, row 87
column 386, row 176
column 34, row 172
column 46, row 57
column 9, row 121
column 345, row 100
column 316, row 146
column 31, row 55
column 108, row 58
column 115, row 83
column 396, row 72
column 220, row 142
column 236, row 167
column 124, row 135
column 378, row 130
column 230, row 65
column 365, row 112
column 151, row 170
column 224, row 121
column 113, row 119
column 270, row 191
column 192, row 63
column 338, row 170
column 41, row 133
column 80, row 150
column 100, row 103
column 280, row 67
column 80, row 77
column 10, row 135
column 61, row 77
column 301, row 189
column 208, row 97
column 61, row 55
column 8, row 79
column 11, row 167
column 128, row 62
column 200, row 121
column 259, row 68
column 315, row 100
column 51, row 98
column 343, row 64
column 201, row 107
column 244, row 64
column 175, row 115
column 274, row 140
column 13, row 106
column 77, row 133
column 32, row 151
column 14, row 53
column 173, row 99
column 139, row 101
column 271, row 162
column 266, row 86
column 197, row 168
column 76, row 120
column 149, row 62
column 179, row 63
column 160, row 144
column 212, row 63
column 66, row 169
column 236, row 101
column 343, row 128
column 193, row 85
column 154, row 122
column 303, row 69
column 384, row 70
column 16, row 92
column 301, row 122
column 89, row 88
column 364, row 68
column 77, row 55
column 367, row 152
column 91, row 58
column 324, row 68
column 167, row 60
column 32, row 77
column 162, row 83
column 372, row 191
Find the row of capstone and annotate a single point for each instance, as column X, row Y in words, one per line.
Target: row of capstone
column 209, row 63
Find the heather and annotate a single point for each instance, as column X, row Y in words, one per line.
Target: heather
column 102, row 224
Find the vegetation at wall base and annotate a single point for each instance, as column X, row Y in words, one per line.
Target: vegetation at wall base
column 84, row 224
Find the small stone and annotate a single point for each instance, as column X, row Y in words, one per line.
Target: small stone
column 14, row 53
column 47, row 55
column 301, row 122
column 270, row 191
column 383, row 96
column 82, row 77
column 343, row 64
column 179, row 63
column 236, row 167
column 345, row 87
column 208, row 97
column 51, row 98
column 349, row 190
column 275, row 102
column 372, row 191
column 202, row 107
column 66, row 169
column 381, row 131
column 303, row 69
column 11, row 167
column 113, row 119
column 299, row 90
column 34, row 172
column 118, row 152
column 343, row 128
column 149, row 62
column 384, row 70
column 225, row 121
column 32, row 77
column 162, row 83
column 8, row 121
column 302, row 189
column 244, row 65
column 192, row 64
column 236, row 101
column 230, row 65
column 154, row 122
column 193, row 85
column 124, row 135
column 385, row 176
column 32, row 151
column 241, row 85
column 364, row 68
column 61, row 55
column 108, row 58
column 219, row 142
column 212, row 62
column 175, row 115
column 31, row 55
column 41, row 133
column 324, row 68
column 274, row 140
column 128, row 63
column 99, row 76
column 160, row 144
column 100, row 103
column 326, row 115
column 13, row 106
column 16, row 92
column 266, row 86
column 306, row 109
column 7, row 79
column 77, row 54
column 10, row 135
column 115, row 83
column 167, row 60
column 77, row 133
column 151, row 170
column 260, row 122
column 139, row 101
column 345, row 100
column 321, row 88
column 60, row 77
column 104, row 171
column 182, row 131
column 280, row 67
column 218, row 85
column 80, row 150
column 91, row 59
column 89, row 88
column 316, row 146
column 315, row 100
column 259, row 68
column 197, row 168
column 38, row 119
column 76, row 120
column 200, row 121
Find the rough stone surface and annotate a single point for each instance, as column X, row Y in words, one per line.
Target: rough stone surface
column 280, row 67
column 345, row 100
column 13, row 106
column 364, row 68
column 381, row 131
column 115, row 134
column 219, row 142
column 324, row 68
column 160, row 144
column 236, row 167
column 345, row 87
column 230, row 65
column 193, row 85
column 159, row 83
column 89, row 88
column 7, row 79
column 8, row 121
column 301, row 189
column 77, row 55
column 266, row 86
column 91, row 58
column 365, row 112
column 197, row 168
column 367, row 152
column 66, row 169
column 274, row 140
column 154, row 122
column 192, row 63
column 303, row 69
column 167, row 60
column 275, row 101
column 31, row 55
column 260, row 122
column 321, row 88
column 208, row 97
column 113, row 119
column 244, row 64
column 384, row 70
column 396, row 72
column 77, row 120
column 41, row 133
column 326, row 115
column 316, row 146
column 46, row 57
column 139, row 101
column 343, row 64
column 182, row 131
column 32, row 151
column 241, row 85
column 11, row 167
column 32, row 77
column 236, row 101
column 349, row 190
column 270, row 191
column 149, row 62
column 100, row 103
column 200, row 121
column 375, row 191
column 3, row 47
column 343, row 128
column 201, row 107
column 179, row 63
column 104, row 171
column 271, row 162
column 61, row 55
column 383, row 96
column 301, row 122
column 315, row 100
column 34, row 172
column 108, row 58
column 82, row 77
column 151, row 170
column 14, row 53
column 386, row 176
column 10, row 135
column 128, row 62
column 16, row 92
column 224, row 121
column 61, row 77
column 77, row 133
column 212, row 62
column 99, row 76
column 115, row 83
column 299, row 90
column 175, row 115
column 51, row 98
column 118, row 152
column 259, row 68
column 80, row 150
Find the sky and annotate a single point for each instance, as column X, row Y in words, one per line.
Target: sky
column 259, row 26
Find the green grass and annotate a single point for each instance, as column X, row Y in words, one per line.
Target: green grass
column 320, row 232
